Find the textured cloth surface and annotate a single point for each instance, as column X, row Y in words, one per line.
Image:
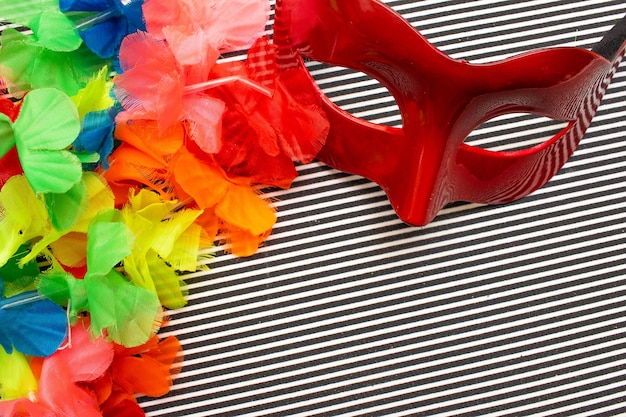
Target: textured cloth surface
column 516, row 309
column 510, row 310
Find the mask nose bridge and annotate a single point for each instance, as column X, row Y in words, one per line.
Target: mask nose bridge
column 421, row 185
column 410, row 163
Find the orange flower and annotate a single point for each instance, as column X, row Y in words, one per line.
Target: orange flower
column 147, row 369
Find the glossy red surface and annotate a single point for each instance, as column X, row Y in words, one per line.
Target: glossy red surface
column 425, row 164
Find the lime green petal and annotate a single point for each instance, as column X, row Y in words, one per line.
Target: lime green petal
column 107, row 244
column 66, row 208
column 16, row 377
column 23, row 11
column 10, row 36
column 26, row 64
column 96, row 95
column 7, row 139
column 66, row 71
column 55, row 31
column 125, row 312
column 54, row 286
column 15, row 278
column 48, row 123
column 87, row 157
column 52, row 69
column 50, row 171
column 17, row 57
column 102, row 295
column 84, row 64
column 65, row 290
column 48, row 120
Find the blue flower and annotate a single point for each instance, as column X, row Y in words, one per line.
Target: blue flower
column 97, row 135
column 104, row 31
column 31, row 325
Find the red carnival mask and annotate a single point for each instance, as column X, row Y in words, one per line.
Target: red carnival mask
column 425, row 164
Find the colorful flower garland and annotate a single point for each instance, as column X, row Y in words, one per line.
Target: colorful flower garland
column 112, row 184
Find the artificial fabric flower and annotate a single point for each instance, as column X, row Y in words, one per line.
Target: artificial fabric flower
column 199, row 31
column 154, row 86
column 120, row 310
column 23, row 218
column 63, row 377
column 265, row 133
column 43, row 132
column 148, row 369
column 142, row 159
column 31, row 325
column 16, row 377
column 288, row 125
column 53, row 31
column 50, row 28
column 111, row 20
column 27, row 64
column 194, row 178
column 167, row 241
column 66, row 244
column 46, row 126
column 235, row 202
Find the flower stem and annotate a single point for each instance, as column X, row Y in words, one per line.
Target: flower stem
column 22, row 301
column 96, row 18
column 190, row 89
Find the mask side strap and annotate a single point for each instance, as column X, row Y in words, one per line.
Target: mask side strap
column 612, row 42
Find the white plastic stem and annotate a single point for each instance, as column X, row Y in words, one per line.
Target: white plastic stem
column 227, row 80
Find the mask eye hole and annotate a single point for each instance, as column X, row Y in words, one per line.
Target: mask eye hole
column 357, row 93
column 514, row 132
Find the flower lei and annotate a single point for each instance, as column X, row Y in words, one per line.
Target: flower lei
column 125, row 148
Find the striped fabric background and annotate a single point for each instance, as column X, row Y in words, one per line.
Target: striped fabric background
column 509, row 310
column 506, row 310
